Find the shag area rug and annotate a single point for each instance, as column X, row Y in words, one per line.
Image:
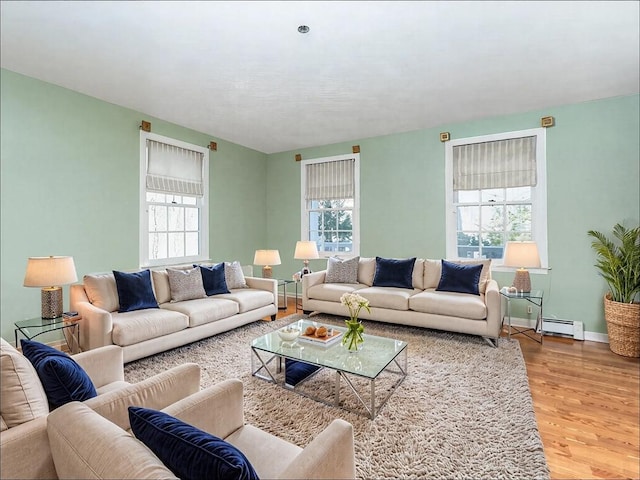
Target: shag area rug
column 464, row 410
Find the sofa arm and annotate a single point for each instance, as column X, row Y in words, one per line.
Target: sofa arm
column 268, row 284
column 104, row 365
column 96, row 324
column 25, row 451
column 155, row 392
column 311, row 279
column 330, row 455
column 493, row 301
column 217, row 409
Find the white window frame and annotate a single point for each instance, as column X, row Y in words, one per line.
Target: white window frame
column 538, row 195
column 355, row 220
column 202, row 203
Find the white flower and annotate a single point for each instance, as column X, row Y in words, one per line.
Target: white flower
column 354, row 302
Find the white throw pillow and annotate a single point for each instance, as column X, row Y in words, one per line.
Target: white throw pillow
column 233, row 275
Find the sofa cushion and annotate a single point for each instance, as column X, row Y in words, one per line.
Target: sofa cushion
column 459, row 278
column 387, row 297
column 366, row 271
column 433, row 271
column 450, row 304
column 205, row 310
column 190, row 453
column 63, row 379
column 22, row 397
column 135, row 291
column 342, row 271
column 161, row 287
column 233, row 275
column 391, row 272
column 185, row 284
column 213, row 279
column 417, row 278
column 249, row 298
column 139, row 325
column 101, row 291
column 331, row 292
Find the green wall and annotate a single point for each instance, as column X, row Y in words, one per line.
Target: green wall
column 593, row 177
column 70, row 182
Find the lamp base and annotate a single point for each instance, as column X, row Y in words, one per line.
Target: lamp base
column 522, row 280
column 51, row 298
column 267, row 272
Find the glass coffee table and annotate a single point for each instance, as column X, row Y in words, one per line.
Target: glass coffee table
column 380, row 364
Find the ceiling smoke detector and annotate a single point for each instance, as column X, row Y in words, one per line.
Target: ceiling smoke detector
column 303, row 29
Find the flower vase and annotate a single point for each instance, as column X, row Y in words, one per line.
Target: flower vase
column 352, row 338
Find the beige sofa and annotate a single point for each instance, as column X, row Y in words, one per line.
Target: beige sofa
column 24, row 444
column 85, row 445
column 421, row 306
column 146, row 332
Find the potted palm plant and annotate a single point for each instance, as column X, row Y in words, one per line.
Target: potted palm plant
column 618, row 261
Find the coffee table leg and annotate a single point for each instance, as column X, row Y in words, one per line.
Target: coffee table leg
column 337, row 390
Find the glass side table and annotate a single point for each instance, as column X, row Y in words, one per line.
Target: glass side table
column 34, row 327
column 535, row 297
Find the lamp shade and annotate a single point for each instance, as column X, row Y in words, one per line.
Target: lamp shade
column 267, row 257
column 306, row 250
column 50, row 271
column 521, row 255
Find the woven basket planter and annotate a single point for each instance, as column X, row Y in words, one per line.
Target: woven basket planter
column 623, row 326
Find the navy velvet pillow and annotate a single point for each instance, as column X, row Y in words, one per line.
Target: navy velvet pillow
column 213, row 279
column 460, row 278
column 394, row 273
column 135, row 291
column 295, row 371
column 63, row 379
column 188, row 452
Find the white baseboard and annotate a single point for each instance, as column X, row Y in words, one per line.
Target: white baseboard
column 531, row 323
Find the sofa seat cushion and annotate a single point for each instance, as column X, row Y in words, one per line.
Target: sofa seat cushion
column 393, row 298
column 269, row 455
column 204, row 310
column 134, row 327
column 449, row 303
column 248, row 298
column 22, row 397
column 331, row 292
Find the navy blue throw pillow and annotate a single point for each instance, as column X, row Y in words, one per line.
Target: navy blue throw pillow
column 295, row 371
column 394, row 273
column 62, row 378
column 213, row 279
column 187, row 451
column 135, row 291
column 460, row 278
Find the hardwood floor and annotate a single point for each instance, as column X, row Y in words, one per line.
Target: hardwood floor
column 587, row 404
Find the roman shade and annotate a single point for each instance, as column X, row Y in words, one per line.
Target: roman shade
column 172, row 169
column 495, row 164
column 330, row 180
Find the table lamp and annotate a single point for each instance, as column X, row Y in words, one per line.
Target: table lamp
column 266, row 258
column 306, row 250
column 521, row 255
column 49, row 273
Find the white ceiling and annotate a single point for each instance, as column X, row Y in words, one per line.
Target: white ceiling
column 240, row 71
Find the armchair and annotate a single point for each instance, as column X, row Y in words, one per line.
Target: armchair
column 23, row 406
column 85, row 445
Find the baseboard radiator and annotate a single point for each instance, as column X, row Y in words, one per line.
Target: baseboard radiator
column 569, row 328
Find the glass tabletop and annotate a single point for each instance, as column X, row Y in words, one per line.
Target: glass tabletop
column 532, row 294
column 376, row 354
column 32, row 327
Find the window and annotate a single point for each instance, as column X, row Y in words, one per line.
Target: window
column 496, row 192
column 174, row 192
column 330, row 204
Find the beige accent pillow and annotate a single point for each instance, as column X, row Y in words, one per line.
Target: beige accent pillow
column 185, row 284
column 433, row 272
column 366, row 270
column 22, row 397
column 102, row 291
column 417, row 278
column 233, row 275
column 161, row 288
